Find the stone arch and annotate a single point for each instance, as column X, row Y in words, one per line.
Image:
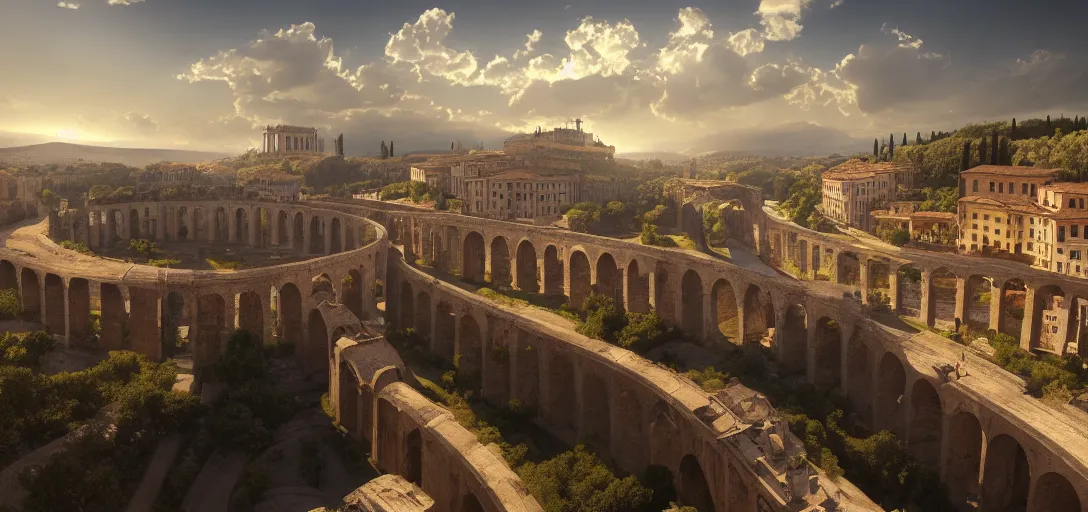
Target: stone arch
column 964, row 457
column 794, row 339
column 1045, row 329
column 469, row 349
column 473, row 258
column 560, row 381
column 924, row 434
column 470, row 503
column 264, row 224
column 848, row 269
column 32, row 296
column 638, row 289
column 317, row 236
column 322, row 283
column 725, row 311
column 183, row 223
column 79, row 310
column 500, row 262
column 351, row 290
column 596, row 417
column 55, row 304
column 298, row 232
column 891, row 386
column 553, row 271
column 445, row 324
column 609, row 278
column 290, row 311
column 942, row 298
column 909, row 284
column 241, row 226
column 112, row 322
column 407, row 306
column 251, row 314
column 413, row 457
column 859, row 367
column 694, row 490
column 691, row 298
column 1007, row 475
column 335, row 230
column 222, row 225
column 1053, row 492
column 828, row 370
column 1013, row 302
column 134, row 224
column 200, row 227
column 317, row 341
column 978, row 295
column 579, row 279
column 8, row 279
column 758, row 315
column 526, row 267
column 173, row 311
column 283, row 231
column 423, row 315
column 211, row 322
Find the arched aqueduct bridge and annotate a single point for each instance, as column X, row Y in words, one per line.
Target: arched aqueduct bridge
column 986, row 437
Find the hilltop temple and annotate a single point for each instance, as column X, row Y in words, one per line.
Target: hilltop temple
column 291, row 139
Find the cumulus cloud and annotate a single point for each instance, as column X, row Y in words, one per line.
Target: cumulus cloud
column 141, row 122
column 688, row 43
column 888, row 74
column 531, row 40
column 422, row 45
column 68, row 5
column 596, row 48
column 781, row 19
column 746, row 42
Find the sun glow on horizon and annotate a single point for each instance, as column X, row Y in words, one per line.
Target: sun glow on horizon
column 68, row 134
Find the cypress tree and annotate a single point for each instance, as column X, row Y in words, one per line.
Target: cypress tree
column 891, row 146
column 1006, row 158
column 904, row 139
column 994, row 146
column 982, row 153
column 932, row 136
column 1048, row 123
column 1012, row 134
column 965, row 162
column 391, row 149
column 876, row 149
column 918, row 139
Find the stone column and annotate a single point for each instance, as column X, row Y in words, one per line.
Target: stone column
column 1062, row 336
column 863, row 280
column 328, row 237
column 893, row 288
column 274, row 227
column 94, row 237
column 143, row 321
column 305, row 247
column 810, row 353
column 232, row 224
column 997, row 300
column 254, row 227
column 927, row 277
column 710, row 324
column 1028, row 326
column 67, row 338
column 961, row 300
column 267, row 314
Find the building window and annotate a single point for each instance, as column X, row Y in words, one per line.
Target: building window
column 1032, row 189
column 997, row 231
column 997, row 220
column 1061, row 235
column 1073, row 231
column 974, row 226
column 1000, row 188
column 1074, row 255
column 974, row 215
column 1024, row 188
column 1012, row 188
column 974, row 185
column 1059, row 270
column 991, row 186
column 986, row 217
column 1072, row 203
column 974, row 237
column 1029, row 246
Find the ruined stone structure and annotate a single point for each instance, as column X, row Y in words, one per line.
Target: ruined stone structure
column 983, row 434
column 281, row 139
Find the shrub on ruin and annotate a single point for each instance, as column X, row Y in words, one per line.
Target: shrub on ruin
column 644, row 332
column 9, row 303
column 27, row 350
column 79, row 247
column 576, row 480
column 604, row 320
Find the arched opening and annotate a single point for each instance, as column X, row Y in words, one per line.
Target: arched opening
column 183, row 224
column 298, row 233
column 8, row 280
column 407, row 306
column 79, row 310
column 469, row 503
column 553, row 271
column 1053, row 492
column 265, row 225
column 794, row 340
column 758, row 316
column 879, row 282
column 560, row 385
column 211, row 322
column 849, row 269
column 113, row 317
column 413, row 458
column 32, row 296
column 964, row 457
column 498, row 343
column 423, row 315
column 725, row 311
column 473, row 258
column 527, row 361
column 1046, row 316
column 609, row 279
column 251, row 314
column 694, row 490
column 1006, row 477
column 351, row 289
column 579, row 279
column 173, row 310
column 222, row 225
column 891, row 385
column 283, row 233
column 500, row 263
column 596, row 417
column 199, row 228
column 925, row 423
column 527, row 271
column 55, row 304
column 978, row 294
column 942, row 298
column 469, row 350
column 241, row 225
column 1013, row 302
column 290, row 311
column 909, row 282
column 317, row 236
column 134, row 224
column 860, row 377
column 334, row 240
column 828, row 342
column 691, row 296
column 322, row 283
column 316, row 343
column 638, row 289
column 445, row 329
column 664, row 294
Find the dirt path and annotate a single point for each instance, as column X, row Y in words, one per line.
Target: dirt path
column 213, row 486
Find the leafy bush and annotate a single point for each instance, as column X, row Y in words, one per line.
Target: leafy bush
column 897, row 237
column 10, row 306
column 143, row 247
column 79, row 247
column 583, row 217
column 645, row 331
column 167, row 262
column 650, row 237
column 576, row 480
column 27, row 350
column 709, row 378
column 603, row 319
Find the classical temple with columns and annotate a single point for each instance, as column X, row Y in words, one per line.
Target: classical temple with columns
column 292, row 139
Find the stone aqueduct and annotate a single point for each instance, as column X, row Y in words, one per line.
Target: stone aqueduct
column 639, row 413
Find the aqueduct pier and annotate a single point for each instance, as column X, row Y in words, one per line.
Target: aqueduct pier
column 986, row 437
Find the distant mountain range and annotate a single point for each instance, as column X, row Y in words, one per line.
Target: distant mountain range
column 65, row 153
column 791, row 139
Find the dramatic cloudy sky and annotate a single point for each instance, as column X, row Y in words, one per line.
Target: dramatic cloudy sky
column 644, row 74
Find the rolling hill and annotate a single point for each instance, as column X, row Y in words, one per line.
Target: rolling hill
column 65, row 153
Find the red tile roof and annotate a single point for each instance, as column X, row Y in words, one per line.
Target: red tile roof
column 858, row 169
column 1009, row 170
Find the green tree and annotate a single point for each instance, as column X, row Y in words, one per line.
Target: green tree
column 583, row 217
column 982, row 153
column 918, row 139
column 995, row 147
column 876, row 148
column 577, row 481
column 904, row 140
column 440, row 203
column 944, row 199
column 9, row 303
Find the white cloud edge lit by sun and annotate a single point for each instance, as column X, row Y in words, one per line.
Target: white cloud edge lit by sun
column 68, row 5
